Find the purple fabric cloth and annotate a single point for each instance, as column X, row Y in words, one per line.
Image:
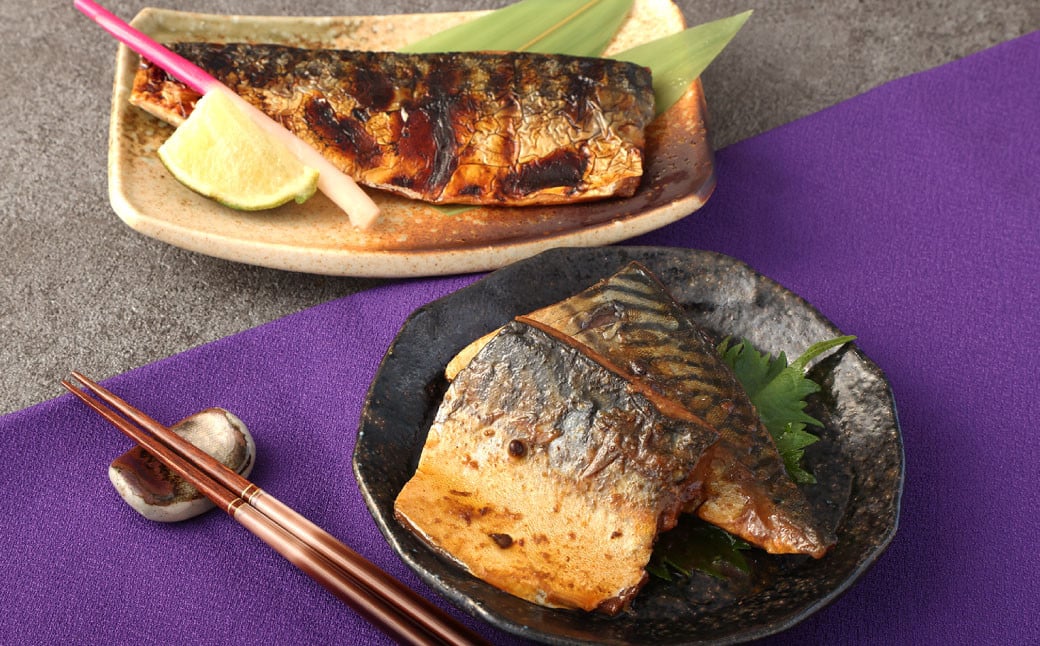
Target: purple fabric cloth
column 908, row 215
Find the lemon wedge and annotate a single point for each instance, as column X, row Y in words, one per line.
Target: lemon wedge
column 221, row 153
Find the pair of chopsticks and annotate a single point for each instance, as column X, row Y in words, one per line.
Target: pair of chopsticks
column 384, row 601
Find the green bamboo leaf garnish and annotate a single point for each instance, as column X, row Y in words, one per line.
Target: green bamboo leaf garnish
column 585, row 28
column 575, row 27
column 677, row 60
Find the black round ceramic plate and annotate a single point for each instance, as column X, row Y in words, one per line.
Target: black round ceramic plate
column 858, row 462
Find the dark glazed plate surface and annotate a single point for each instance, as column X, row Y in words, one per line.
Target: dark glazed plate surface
column 858, row 462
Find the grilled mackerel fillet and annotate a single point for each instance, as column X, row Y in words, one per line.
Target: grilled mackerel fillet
column 632, row 320
column 470, row 128
column 549, row 474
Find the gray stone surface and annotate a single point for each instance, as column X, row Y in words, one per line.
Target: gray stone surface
column 79, row 290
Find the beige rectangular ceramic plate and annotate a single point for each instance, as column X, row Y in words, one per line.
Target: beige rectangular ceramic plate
column 410, row 238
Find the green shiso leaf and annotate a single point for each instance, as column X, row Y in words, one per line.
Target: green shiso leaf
column 677, row 60
column 575, row 27
column 778, row 392
column 695, row 545
column 776, row 388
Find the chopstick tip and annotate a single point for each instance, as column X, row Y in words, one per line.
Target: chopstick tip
column 76, row 382
column 83, row 380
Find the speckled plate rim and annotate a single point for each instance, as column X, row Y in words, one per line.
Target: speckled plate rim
column 148, row 200
column 444, row 577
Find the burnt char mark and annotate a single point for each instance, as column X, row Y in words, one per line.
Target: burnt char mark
column 429, row 141
column 218, row 60
column 373, row 88
column 561, row 168
column 344, row 133
column 153, row 78
column 270, row 71
column 414, row 153
column 502, row 76
column 580, row 90
column 440, row 109
column 411, row 118
column 445, row 159
column 231, row 64
column 640, row 79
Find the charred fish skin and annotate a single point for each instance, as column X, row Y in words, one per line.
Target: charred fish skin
column 501, row 128
column 547, row 475
column 632, row 319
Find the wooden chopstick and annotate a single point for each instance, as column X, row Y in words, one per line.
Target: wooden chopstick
column 383, row 600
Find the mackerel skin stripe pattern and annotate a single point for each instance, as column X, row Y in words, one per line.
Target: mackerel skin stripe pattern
column 547, row 475
column 632, row 319
column 507, row 128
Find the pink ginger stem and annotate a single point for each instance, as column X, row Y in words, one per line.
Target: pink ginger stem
column 186, row 72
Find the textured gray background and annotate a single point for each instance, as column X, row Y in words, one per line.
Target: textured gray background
column 79, row 290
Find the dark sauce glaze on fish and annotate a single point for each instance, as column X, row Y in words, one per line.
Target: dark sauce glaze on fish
column 506, row 128
column 632, row 320
column 548, row 474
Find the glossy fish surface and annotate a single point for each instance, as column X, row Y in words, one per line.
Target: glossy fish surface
column 632, row 319
column 549, row 475
column 508, row 128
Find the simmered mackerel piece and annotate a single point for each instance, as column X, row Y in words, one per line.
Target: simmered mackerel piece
column 549, row 475
column 631, row 319
column 475, row 128
column 635, row 322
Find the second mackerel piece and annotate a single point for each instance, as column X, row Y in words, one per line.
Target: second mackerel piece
column 633, row 320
